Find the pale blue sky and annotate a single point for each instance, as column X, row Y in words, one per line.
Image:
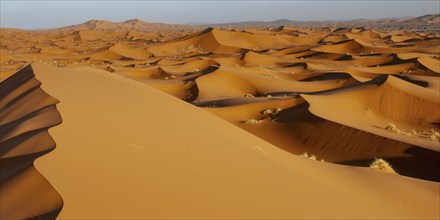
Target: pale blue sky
column 50, row 14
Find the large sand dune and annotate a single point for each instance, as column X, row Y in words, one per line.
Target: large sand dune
column 169, row 121
column 177, row 161
column 26, row 112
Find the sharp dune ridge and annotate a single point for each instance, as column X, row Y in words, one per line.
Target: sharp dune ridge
column 172, row 121
column 27, row 113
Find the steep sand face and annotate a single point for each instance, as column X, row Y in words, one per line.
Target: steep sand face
column 27, row 112
column 288, row 124
column 396, row 101
column 180, row 162
column 341, row 95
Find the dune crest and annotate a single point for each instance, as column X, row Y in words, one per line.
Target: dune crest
column 27, row 113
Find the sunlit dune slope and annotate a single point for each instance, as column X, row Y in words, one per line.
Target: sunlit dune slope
column 180, row 162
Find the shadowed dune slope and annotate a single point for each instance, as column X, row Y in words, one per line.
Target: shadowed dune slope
column 27, row 113
column 409, row 107
column 293, row 128
column 213, row 40
column 178, row 161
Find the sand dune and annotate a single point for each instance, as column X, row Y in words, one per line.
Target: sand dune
column 27, row 113
column 129, row 52
column 165, row 121
column 218, row 41
column 396, row 101
column 175, row 178
column 430, row 63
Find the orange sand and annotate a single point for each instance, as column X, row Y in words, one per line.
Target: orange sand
column 171, row 121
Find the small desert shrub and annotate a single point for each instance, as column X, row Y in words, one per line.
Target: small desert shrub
column 252, row 121
column 311, row 157
column 170, row 77
column 268, row 75
column 382, row 165
column 392, row 127
column 430, row 134
column 271, row 111
column 193, row 49
column 256, row 48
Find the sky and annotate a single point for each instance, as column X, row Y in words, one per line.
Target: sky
column 51, row 14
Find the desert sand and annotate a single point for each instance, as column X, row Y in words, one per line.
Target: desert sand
column 107, row 120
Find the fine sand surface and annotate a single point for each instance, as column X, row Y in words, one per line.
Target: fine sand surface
column 145, row 154
column 177, row 121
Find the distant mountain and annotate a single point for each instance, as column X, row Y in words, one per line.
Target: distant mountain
column 278, row 22
column 133, row 24
column 429, row 22
column 425, row 22
column 429, row 18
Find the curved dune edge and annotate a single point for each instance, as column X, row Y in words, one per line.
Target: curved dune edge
column 373, row 108
column 296, row 130
column 27, row 113
column 288, row 124
column 178, row 161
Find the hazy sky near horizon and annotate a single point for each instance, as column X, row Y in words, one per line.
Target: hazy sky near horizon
column 51, row 14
